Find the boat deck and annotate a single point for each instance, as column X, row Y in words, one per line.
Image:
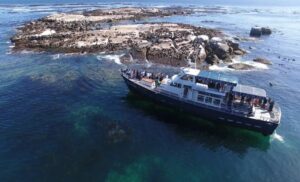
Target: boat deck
column 261, row 114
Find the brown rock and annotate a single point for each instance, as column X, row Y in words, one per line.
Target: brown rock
column 240, row 66
column 263, row 61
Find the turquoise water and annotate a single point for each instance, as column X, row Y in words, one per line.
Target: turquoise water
column 60, row 113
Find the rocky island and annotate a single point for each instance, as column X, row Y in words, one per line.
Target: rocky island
column 118, row 31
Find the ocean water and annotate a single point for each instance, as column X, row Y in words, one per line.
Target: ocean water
column 59, row 113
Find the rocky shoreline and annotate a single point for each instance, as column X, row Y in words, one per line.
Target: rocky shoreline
column 116, row 30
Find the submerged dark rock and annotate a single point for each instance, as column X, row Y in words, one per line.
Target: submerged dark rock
column 263, row 61
column 256, row 32
column 259, row 31
column 266, row 31
column 116, row 133
column 241, row 66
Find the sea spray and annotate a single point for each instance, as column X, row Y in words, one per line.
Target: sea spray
column 224, row 67
column 115, row 58
column 277, row 137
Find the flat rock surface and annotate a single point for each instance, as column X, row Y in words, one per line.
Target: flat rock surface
column 241, row 66
column 99, row 31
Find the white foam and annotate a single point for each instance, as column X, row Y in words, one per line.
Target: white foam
column 56, row 56
column 277, row 137
column 257, row 65
column 224, row 67
column 220, row 67
column 115, row 58
column 47, row 32
column 81, row 44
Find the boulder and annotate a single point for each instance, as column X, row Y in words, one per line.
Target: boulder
column 139, row 51
column 216, row 39
column 227, row 59
column 240, row 66
column 116, row 133
column 239, row 52
column 220, row 49
column 256, row 32
column 201, row 39
column 263, row 61
column 165, row 53
column 235, row 45
column 259, row 31
column 126, row 58
column 212, row 59
column 198, row 55
column 266, row 31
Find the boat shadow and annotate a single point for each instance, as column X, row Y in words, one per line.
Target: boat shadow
column 212, row 136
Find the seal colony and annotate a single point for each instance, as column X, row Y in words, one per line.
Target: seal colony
column 116, row 30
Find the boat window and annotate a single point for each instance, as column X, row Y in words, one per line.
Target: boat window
column 208, row 100
column 199, row 80
column 217, row 102
column 187, row 77
column 200, row 98
column 174, row 84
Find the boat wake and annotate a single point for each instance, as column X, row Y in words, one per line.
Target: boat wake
column 277, row 137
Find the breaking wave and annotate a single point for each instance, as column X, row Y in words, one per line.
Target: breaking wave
column 224, row 67
column 277, row 137
column 115, row 58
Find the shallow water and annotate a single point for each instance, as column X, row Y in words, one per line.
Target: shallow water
column 59, row 112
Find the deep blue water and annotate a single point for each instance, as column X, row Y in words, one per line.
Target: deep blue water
column 57, row 111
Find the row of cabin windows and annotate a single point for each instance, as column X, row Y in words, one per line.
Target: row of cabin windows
column 174, row 84
column 209, row 100
column 187, row 77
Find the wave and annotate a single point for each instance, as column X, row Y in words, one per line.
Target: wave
column 224, row 67
column 277, row 137
column 115, row 58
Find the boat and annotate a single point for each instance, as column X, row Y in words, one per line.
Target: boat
column 210, row 95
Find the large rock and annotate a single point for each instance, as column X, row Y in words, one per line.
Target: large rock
column 220, row 49
column 198, row 56
column 256, row 32
column 263, row 61
column 201, row 39
column 240, row 66
column 165, row 53
column 126, row 58
column 266, row 31
column 239, row 52
column 95, row 31
column 116, row 133
column 227, row 59
column 259, row 31
column 212, row 59
column 139, row 50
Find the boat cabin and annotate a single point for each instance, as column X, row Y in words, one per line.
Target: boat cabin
column 205, row 87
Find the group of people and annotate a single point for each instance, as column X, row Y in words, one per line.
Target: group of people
column 220, row 86
column 265, row 103
column 137, row 74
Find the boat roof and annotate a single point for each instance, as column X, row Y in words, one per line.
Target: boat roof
column 218, row 76
column 248, row 90
column 191, row 71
